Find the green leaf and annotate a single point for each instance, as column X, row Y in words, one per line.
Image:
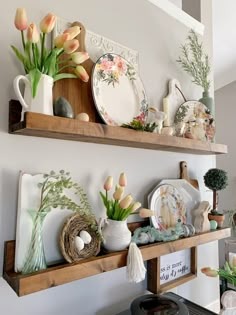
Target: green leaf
column 64, row 76
column 35, row 76
column 18, row 54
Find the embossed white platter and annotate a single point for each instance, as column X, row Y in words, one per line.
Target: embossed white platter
column 190, row 195
column 118, row 91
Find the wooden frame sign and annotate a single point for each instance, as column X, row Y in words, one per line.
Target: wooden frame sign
column 172, row 270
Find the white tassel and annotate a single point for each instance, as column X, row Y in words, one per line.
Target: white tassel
column 136, row 270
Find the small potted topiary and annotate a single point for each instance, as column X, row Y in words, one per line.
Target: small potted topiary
column 216, row 179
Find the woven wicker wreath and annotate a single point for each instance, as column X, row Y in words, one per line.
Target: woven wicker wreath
column 72, row 227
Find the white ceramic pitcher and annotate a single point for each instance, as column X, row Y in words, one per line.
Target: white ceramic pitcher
column 42, row 103
column 116, row 235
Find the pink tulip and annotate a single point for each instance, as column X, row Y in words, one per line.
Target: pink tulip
column 122, row 180
column 21, row 19
column 73, row 31
column 136, row 205
column 108, row 183
column 79, row 57
column 118, row 193
column 209, row 272
column 48, row 22
column 126, row 202
column 32, row 33
column 71, row 46
column 60, row 40
column 145, row 213
column 81, row 73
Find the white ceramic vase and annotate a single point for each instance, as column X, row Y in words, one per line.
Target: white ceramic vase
column 42, row 103
column 116, row 235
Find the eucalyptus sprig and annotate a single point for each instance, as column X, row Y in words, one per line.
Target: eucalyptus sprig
column 52, row 193
column 195, row 62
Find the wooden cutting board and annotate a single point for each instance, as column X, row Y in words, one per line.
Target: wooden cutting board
column 77, row 92
column 184, row 175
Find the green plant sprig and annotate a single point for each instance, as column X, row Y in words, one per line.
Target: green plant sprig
column 52, row 193
column 138, row 125
column 195, row 62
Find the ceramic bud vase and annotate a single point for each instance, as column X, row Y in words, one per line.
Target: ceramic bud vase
column 116, row 235
column 42, row 103
column 35, row 258
column 209, row 102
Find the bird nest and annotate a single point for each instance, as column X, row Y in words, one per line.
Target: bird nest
column 72, row 228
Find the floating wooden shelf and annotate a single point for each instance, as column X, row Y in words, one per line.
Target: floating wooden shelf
column 40, row 125
column 57, row 275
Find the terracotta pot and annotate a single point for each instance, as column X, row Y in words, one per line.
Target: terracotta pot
column 218, row 218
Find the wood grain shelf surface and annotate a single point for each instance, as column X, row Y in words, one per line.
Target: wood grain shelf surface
column 61, row 274
column 40, row 125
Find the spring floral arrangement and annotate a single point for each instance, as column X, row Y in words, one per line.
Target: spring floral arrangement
column 118, row 208
column 228, row 272
column 37, row 59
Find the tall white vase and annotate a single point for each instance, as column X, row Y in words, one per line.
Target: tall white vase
column 42, row 103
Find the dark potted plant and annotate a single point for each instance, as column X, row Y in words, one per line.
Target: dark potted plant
column 216, row 179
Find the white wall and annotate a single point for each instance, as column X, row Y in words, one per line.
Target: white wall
column 224, row 42
column 139, row 25
column 178, row 3
column 226, row 111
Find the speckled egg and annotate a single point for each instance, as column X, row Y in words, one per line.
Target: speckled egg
column 79, row 243
column 82, row 117
column 86, row 237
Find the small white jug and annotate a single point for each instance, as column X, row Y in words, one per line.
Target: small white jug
column 42, row 103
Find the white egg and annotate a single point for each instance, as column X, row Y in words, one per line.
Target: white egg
column 82, row 117
column 79, row 243
column 86, row 237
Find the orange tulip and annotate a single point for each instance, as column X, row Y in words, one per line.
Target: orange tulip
column 122, row 180
column 126, row 202
column 21, row 22
column 60, row 40
column 71, row 46
column 118, row 193
column 209, row 272
column 79, row 57
column 48, row 22
column 108, row 183
column 136, row 205
column 81, row 73
column 73, row 31
column 32, row 33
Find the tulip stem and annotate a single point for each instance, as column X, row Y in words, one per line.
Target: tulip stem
column 23, row 39
column 64, row 67
column 34, row 57
column 42, row 50
column 64, row 60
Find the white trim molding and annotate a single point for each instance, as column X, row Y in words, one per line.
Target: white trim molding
column 178, row 14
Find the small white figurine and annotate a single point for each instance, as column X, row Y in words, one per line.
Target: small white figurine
column 201, row 222
column 157, row 117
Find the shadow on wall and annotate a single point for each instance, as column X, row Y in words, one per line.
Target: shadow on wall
column 125, row 302
column 8, row 207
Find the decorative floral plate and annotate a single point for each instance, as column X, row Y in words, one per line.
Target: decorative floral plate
column 118, row 91
column 190, row 195
column 199, row 124
column 168, row 206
